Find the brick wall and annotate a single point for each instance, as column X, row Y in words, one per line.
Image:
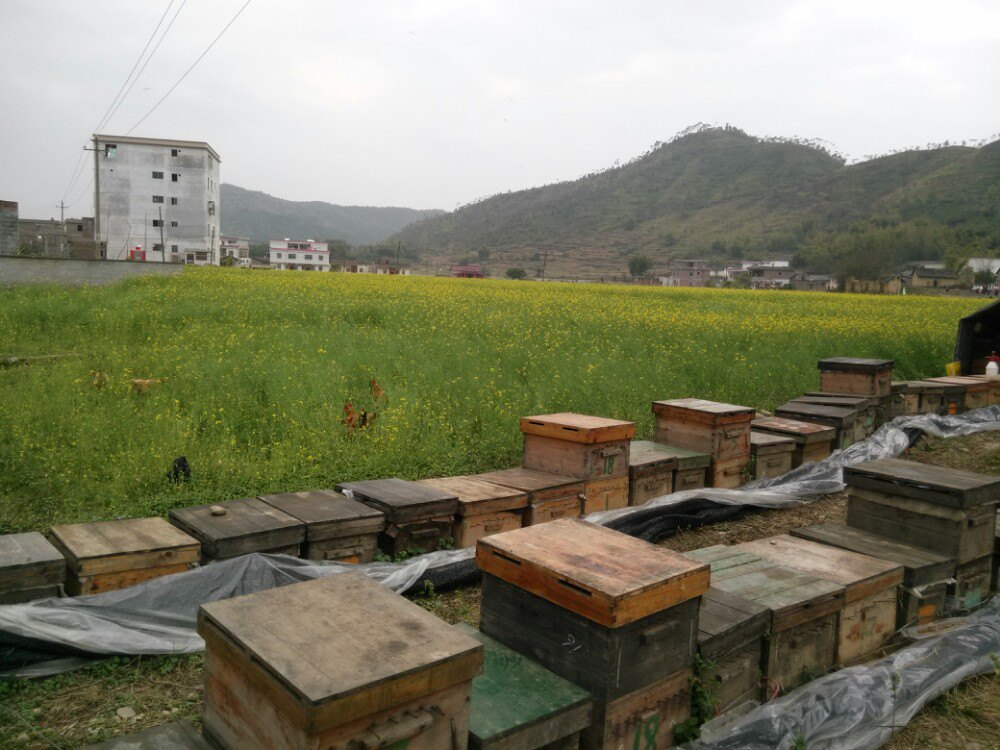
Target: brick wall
column 16, row 271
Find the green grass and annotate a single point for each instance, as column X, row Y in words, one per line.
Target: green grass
column 257, row 366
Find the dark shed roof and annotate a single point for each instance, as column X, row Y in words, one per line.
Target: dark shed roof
column 978, row 335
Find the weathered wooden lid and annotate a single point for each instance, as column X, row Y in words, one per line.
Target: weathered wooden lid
column 578, row 428
column 727, row 622
column 802, row 432
column 28, row 560
column 969, row 384
column 647, row 454
column 322, row 511
column 792, row 596
column 856, row 409
column 920, row 566
column 846, row 398
column 603, row 575
column 514, row 694
column 854, row 364
column 839, row 416
column 948, row 385
column 242, row 519
column 934, row 484
column 776, row 443
column 476, row 496
column 713, row 408
column 860, row 575
column 401, row 500
column 686, row 458
column 344, row 646
column 531, row 480
column 85, row 542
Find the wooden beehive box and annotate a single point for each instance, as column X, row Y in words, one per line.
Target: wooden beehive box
column 862, row 377
column 947, row 511
column 871, row 588
column 731, row 642
column 338, row 663
column 952, row 396
column 30, row 568
column 692, row 467
column 484, row 507
column 721, row 430
column 972, row 586
column 577, row 445
column 239, row 527
column 910, row 395
column 610, row 493
column 925, row 574
column 770, row 454
column 896, row 405
column 336, row 527
column 110, row 555
column 977, row 392
column 803, row 637
column 549, row 496
column 842, row 419
column 608, row 612
column 418, row 518
column 993, row 381
column 517, row 703
column 644, row 719
column 868, row 408
column 650, row 472
column 813, row 442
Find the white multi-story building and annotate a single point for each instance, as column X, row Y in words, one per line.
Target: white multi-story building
column 237, row 248
column 299, row 255
column 157, row 199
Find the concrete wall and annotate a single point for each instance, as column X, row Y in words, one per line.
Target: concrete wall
column 18, row 271
column 8, row 227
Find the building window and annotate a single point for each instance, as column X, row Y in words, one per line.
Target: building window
column 110, row 151
column 175, row 152
column 157, row 222
column 157, row 199
column 174, row 177
column 157, row 248
column 157, row 175
column 173, row 248
column 277, row 255
column 173, row 201
column 173, row 223
column 308, row 257
column 291, row 256
column 202, row 256
column 79, row 227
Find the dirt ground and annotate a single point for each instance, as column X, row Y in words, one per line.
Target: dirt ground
column 83, row 707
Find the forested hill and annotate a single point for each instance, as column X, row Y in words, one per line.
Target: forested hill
column 720, row 192
column 261, row 217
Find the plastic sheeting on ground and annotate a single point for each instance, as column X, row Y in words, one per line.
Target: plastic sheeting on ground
column 861, row 707
column 158, row 616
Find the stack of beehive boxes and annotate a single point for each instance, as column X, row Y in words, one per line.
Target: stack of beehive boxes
column 720, row 430
column 859, row 377
column 946, row 511
column 30, row 568
column 594, row 449
column 484, row 507
column 813, row 442
column 967, row 393
column 612, row 614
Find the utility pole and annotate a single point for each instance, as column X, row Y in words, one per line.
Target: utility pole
column 62, row 225
column 545, row 257
column 97, row 196
column 163, row 246
column 399, row 247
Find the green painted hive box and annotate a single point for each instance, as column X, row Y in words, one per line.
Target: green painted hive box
column 517, row 703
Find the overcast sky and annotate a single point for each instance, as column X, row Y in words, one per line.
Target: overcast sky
column 432, row 103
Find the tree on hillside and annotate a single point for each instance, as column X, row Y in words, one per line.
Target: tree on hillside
column 516, row 273
column 639, row 265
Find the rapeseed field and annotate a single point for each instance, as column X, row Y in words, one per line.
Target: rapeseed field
column 255, row 369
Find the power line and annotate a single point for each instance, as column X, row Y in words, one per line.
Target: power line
column 76, row 169
column 179, row 80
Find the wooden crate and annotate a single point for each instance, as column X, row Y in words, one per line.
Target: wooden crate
column 909, row 404
column 898, row 392
column 842, row 419
column 111, row 555
column 951, row 488
column 418, row 518
column 925, row 573
column 770, row 454
column 605, row 494
column 976, row 392
column 484, row 508
column 692, row 467
column 813, row 442
column 993, row 381
column 804, row 612
column 240, row 527
column 644, row 719
column 650, row 472
column 606, row 661
column 603, row 575
column 336, row 527
column 973, row 581
column 720, row 430
column 871, row 588
column 550, row 496
column 334, row 664
column 517, row 703
column 30, row 568
column 869, row 408
column 862, row 377
column 577, row 445
column 731, row 638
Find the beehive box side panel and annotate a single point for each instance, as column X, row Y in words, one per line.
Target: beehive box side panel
column 605, row 494
column 866, row 625
column 582, row 460
column 734, row 676
column 470, row 529
column 730, row 473
column 921, row 606
column 644, row 488
column 416, row 536
column 29, row 560
column 354, row 549
column 644, row 719
column 800, row 654
column 689, row 479
column 22, row 595
column 972, row 584
column 772, row 465
column 552, row 510
column 100, row 582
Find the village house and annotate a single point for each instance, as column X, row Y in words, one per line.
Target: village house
column 299, row 255
column 52, row 238
column 814, row 282
column 690, row 273
column 236, row 248
column 468, row 271
column 771, row 277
